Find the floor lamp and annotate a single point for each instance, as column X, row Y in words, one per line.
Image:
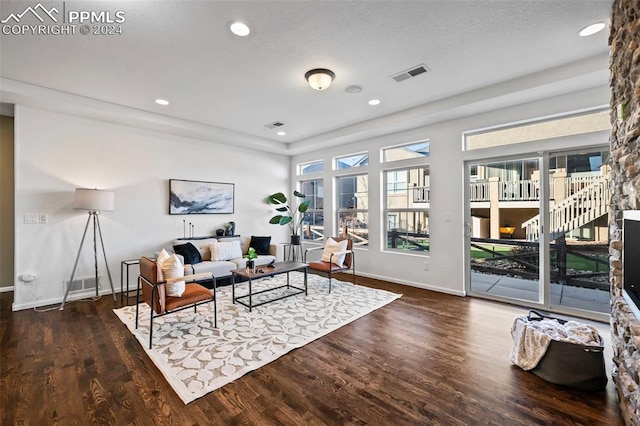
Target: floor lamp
column 94, row 201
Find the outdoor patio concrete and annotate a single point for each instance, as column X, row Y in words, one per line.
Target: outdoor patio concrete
column 522, row 289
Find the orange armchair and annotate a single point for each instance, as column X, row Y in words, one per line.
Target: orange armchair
column 329, row 264
column 154, row 294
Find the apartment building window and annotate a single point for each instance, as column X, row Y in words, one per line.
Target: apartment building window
column 407, row 200
column 353, row 208
column 310, row 167
column 406, row 151
column 313, row 223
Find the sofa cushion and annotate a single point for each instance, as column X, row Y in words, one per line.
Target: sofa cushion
column 218, row 269
column 225, row 250
column 261, row 260
column 202, row 244
column 260, row 244
column 189, row 252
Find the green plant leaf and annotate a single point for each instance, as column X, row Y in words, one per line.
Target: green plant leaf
column 299, row 194
column 304, row 206
column 276, row 219
column 282, row 209
column 277, row 198
column 285, row 219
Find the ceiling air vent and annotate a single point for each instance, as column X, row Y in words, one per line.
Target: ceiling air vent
column 412, row 72
column 274, row 125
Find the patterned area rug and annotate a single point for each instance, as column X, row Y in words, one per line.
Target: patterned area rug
column 197, row 358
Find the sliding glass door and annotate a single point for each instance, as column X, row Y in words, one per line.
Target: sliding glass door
column 537, row 230
column 504, row 262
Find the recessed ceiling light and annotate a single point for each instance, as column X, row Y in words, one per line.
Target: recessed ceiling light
column 374, row 102
column 281, row 133
column 592, row 29
column 162, row 102
column 353, row 89
column 240, row 29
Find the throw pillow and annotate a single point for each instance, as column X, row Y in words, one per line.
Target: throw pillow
column 172, row 268
column 162, row 257
column 260, row 244
column 225, row 250
column 332, row 246
column 189, row 252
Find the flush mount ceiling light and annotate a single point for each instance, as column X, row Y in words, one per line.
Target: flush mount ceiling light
column 162, row 102
column 240, row 29
column 592, row 29
column 320, row 78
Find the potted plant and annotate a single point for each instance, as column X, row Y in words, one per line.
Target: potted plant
column 250, row 256
column 291, row 214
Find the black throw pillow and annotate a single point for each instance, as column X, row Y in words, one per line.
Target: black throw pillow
column 189, row 252
column 260, row 244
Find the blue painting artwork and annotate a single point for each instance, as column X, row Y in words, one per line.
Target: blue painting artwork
column 196, row 197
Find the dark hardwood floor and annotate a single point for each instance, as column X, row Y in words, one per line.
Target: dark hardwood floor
column 426, row 358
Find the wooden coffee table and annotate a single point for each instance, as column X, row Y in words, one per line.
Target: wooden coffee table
column 268, row 271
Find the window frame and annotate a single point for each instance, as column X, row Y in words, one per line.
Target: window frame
column 313, row 210
column 399, row 211
column 339, row 210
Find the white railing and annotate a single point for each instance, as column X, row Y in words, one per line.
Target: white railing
column 421, row 194
column 519, row 190
column 575, row 184
column 580, row 208
column 479, row 191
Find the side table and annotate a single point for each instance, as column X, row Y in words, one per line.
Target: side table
column 290, row 252
column 124, row 266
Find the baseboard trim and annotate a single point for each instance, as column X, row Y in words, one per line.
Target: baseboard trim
column 5, row 289
column 414, row 284
column 58, row 300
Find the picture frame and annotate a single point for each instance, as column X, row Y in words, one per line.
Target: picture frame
column 200, row 197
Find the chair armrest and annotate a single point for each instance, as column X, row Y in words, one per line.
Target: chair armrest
column 311, row 249
column 193, row 277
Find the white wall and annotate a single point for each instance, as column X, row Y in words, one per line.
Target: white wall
column 445, row 261
column 56, row 153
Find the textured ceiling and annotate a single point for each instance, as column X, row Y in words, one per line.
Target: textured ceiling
column 183, row 51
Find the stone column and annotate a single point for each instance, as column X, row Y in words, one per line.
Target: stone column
column 625, row 194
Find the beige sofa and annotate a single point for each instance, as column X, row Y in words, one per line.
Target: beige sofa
column 220, row 268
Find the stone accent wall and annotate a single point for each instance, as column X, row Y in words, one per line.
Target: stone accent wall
column 624, row 41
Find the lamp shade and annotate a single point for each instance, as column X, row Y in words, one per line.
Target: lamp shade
column 320, row 78
column 94, row 200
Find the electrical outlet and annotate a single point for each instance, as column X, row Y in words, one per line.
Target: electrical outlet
column 43, row 218
column 28, row 277
column 31, row 218
column 426, row 265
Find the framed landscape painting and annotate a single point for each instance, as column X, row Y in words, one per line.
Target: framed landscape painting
column 196, row 197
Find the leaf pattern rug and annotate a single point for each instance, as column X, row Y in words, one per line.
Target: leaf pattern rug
column 197, row 358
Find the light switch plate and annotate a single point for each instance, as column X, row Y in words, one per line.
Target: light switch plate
column 43, row 218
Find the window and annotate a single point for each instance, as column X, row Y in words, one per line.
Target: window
column 552, row 128
column 357, row 160
column 313, row 223
column 397, row 181
column 407, row 201
column 353, row 208
column 310, row 167
column 405, row 152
